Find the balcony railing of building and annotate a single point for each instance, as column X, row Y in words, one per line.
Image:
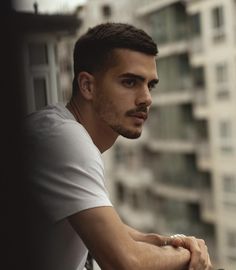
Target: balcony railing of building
column 207, row 206
column 200, row 103
column 203, row 156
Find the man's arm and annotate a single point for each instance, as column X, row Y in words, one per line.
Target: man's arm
column 110, row 243
column 197, row 247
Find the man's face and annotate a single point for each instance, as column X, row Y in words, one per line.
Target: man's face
column 123, row 98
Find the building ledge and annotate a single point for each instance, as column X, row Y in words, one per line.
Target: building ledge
column 177, row 193
column 177, row 97
column 173, row 48
column 152, row 7
column 179, row 146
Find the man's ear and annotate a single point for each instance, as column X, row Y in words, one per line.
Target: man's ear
column 86, row 84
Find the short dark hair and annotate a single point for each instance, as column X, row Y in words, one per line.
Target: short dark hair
column 92, row 49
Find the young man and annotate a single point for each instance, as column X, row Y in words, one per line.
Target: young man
column 114, row 73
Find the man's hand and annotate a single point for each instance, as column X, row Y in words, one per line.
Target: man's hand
column 200, row 259
column 199, row 253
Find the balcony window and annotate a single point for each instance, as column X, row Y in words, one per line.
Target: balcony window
column 169, row 24
column 38, row 54
column 225, row 129
column 229, row 183
column 231, row 239
column 174, row 72
column 173, row 122
column 218, row 23
column 120, row 192
column 106, row 11
column 195, row 25
column 198, row 77
column 225, row 136
column 40, row 92
column 217, row 17
column 222, row 87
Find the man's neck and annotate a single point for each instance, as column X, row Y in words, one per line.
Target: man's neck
column 102, row 135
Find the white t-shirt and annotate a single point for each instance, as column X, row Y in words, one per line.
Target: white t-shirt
column 66, row 176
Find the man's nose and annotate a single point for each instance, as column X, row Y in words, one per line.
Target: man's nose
column 144, row 97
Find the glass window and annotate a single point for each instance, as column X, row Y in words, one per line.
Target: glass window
column 106, row 11
column 222, row 88
column 225, row 129
column 198, row 77
column 229, row 183
column 120, row 192
column 221, row 73
column 38, row 54
column 218, row 24
column 217, row 17
column 231, row 239
column 40, row 92
column 195, row 25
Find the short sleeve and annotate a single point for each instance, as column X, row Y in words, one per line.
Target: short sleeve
column 67, row 173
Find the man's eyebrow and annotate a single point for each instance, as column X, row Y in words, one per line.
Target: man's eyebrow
column 138, row 77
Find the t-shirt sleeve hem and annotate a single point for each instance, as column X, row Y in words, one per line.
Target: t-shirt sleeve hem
column 77, row 209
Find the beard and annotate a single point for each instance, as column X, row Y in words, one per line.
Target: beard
column 129, row 134
column 112, row 118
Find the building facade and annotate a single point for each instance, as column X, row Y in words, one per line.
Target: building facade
column 180, row 177
column 46, row 46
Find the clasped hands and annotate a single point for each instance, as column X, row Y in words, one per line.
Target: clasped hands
column 200, row 259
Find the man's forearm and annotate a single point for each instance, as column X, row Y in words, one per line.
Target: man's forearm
column 151, row 238
column 152, row 257
column 199, row 254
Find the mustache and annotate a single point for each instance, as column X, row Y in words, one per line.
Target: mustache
column 143, row 109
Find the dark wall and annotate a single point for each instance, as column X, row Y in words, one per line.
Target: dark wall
column 13, row 211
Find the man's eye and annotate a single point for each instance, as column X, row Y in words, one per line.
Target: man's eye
column 129, row 83
column 151, row 86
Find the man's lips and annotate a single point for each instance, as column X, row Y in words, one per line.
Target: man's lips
column 140, row 115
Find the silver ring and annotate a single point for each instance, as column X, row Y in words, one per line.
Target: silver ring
column 177, row 235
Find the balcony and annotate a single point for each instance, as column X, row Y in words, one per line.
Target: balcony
column 204, row 161
column 137, row 218
column 200, row 108
column 178, row 97
column 196, row 45
column 207, row 207
column 173, row 146
column 185, row 194
column 173, row 48
column 133, row 178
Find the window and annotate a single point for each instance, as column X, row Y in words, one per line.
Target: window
column 229, row 207
column 217, row 15
column 195, row 25
column 40, row 92
column 38, row 54
column 106, row 11
column 199, row 77
column 229, row 183
column 225, row 136
column 222, row 88
column 120, row 192
column 231, row 239
column 221, row 73
column 225, row 129
column 218, row 23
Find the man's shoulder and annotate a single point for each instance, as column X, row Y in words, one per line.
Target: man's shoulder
column 50, row 114
column 55, row 127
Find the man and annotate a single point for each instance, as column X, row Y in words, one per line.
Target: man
column 114, row 72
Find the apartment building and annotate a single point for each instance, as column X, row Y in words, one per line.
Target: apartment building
column 214, row 51
column 192, row 129
column 46, row 66
column 180, row 177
